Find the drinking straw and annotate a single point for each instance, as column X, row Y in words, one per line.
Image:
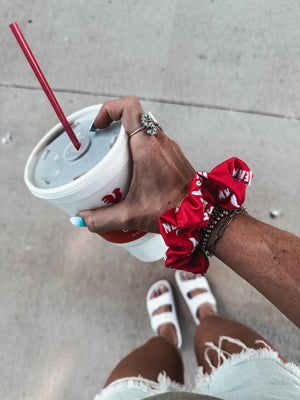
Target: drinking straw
column 40, row 76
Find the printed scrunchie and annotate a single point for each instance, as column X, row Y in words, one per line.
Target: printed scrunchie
column 225, row 186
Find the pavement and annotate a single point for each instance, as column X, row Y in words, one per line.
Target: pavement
column 223, row 79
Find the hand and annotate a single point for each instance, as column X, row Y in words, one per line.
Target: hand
column 161, row 174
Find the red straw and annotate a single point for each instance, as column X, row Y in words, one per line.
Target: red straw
column 36, row 69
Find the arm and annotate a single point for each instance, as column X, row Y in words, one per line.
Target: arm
column 266, row 257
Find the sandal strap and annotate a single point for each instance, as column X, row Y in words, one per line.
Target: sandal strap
column 197, row 283
column 155, row 303
column 164, row 299
column 186, row 286
column 200, row 299
column 167, row 317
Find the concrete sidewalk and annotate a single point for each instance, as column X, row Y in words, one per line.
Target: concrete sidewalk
column 219, row 76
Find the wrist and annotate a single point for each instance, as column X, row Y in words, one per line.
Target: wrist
column 207, row 234
column 197, row 223
column 224, row 219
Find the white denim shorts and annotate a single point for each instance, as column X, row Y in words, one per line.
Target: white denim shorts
column 249, row 375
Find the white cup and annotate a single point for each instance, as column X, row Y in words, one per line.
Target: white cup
column 105, row 183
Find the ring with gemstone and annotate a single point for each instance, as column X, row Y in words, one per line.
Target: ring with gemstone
column 149, row 123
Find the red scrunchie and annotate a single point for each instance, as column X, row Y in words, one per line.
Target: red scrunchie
column 225, row 186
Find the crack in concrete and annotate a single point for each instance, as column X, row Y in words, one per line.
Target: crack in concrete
column 158, row 100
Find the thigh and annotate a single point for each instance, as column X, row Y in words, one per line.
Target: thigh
column 213, row 329
column 148, row 361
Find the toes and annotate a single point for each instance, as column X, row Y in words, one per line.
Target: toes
column 159, row 291
column 185, row 276
column 163, row 289
column 156, row 293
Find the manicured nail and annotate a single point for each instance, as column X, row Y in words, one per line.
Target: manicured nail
column 77, row 221
column 92, row 127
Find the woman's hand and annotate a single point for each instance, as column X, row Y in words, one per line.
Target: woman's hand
column 161, row 174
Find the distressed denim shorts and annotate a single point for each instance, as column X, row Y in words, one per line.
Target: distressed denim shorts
column 249, row 375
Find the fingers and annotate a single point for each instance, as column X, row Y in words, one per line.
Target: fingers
column 128, row 110
column 105, row 219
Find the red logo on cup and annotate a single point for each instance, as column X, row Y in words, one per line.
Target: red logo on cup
column 113, row 198
column 124, row 235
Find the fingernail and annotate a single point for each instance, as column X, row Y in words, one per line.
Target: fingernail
column 92, row 127
column 77, row 221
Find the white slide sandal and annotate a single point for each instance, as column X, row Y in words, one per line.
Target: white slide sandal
column 186, row 286
column 165, row 299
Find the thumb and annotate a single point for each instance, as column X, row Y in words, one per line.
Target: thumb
column 105, row 219
column 128, row 110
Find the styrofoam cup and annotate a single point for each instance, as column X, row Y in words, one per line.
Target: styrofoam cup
column 106, row 182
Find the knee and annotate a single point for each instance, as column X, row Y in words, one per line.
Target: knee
column 160, row 345
column 205, row 331
column 164, row 356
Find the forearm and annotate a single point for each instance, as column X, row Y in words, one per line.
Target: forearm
column 266, row 257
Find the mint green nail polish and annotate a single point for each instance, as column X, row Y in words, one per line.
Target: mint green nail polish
column 92, row 127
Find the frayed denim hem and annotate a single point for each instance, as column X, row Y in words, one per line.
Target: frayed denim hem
column 250, row 374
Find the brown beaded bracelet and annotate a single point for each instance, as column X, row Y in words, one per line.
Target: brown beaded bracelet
column 216, row 216
column 205, row 233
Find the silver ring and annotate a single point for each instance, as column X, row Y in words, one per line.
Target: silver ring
column 136, row 131
column 149, row 123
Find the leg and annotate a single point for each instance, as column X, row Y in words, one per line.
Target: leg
column 214, row 326
column 155, row 356
column 159, row 354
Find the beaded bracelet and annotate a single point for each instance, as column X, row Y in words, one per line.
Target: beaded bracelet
column 206, row 232
column 187, row 229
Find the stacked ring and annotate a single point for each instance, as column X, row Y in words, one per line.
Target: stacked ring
column 149, row 123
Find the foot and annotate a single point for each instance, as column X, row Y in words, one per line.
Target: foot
column 166, row 330
column 206, row 309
